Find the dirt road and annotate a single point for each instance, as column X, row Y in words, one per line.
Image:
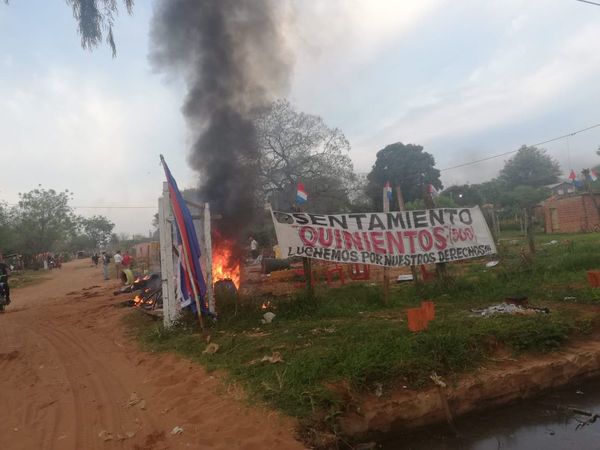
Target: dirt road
column 68, row 375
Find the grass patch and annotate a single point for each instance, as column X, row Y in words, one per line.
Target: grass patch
column 26, row 278
column 346, row 339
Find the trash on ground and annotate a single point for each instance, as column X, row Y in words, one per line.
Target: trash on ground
column 105, row 435
column 552, row 242
column 404, row 278
column 508, row 308
column 134, row 399
column 177, row 430
column 211, row 349
column 268, row 317
column 273, row 359
column 492, row 263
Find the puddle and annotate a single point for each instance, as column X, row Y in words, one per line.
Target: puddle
column 544, row 423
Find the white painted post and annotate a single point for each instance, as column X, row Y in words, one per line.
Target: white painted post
column 208, row 248
column 165, row 222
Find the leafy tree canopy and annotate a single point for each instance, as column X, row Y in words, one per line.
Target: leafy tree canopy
column 98, row 229
column 405, row 165
column 95, row 20
column 294, row 147
column 531, row 166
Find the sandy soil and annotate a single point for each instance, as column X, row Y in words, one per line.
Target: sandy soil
column 71, row 379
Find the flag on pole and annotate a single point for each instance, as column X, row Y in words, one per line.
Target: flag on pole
column 388, row 190
column 433, row 191
column 572, row 176
column 191, row 282
column 301, row 195
column 593, row 175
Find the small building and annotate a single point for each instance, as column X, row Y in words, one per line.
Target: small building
column 562, row 188
column 572, row 213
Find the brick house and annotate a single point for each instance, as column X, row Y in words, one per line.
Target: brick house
column 571, row 213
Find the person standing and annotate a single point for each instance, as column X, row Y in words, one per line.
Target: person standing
column 4, row 273
column 253, row 248
column 118, row 263
column 127, row 260
column 105, row 263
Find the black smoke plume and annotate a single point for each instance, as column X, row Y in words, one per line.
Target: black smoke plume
column 235, row 61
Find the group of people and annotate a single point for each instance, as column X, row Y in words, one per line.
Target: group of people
column 121, row 262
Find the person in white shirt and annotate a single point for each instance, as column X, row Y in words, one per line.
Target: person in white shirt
column 253, row 248
column 118, row 263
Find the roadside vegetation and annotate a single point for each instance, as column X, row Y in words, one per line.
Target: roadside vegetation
column 27, row 278
column 346, row 340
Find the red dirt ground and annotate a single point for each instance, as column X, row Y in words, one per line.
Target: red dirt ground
column 68, row 372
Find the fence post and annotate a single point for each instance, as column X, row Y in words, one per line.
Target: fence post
column 208, row 248
column 166, row 258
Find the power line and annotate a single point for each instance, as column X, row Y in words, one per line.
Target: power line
column 477, row 161
column 104, row 207
column 588, row 1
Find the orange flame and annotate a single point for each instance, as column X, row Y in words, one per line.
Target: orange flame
column 138, row 300
column 222, row 265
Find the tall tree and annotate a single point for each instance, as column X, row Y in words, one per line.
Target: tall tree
column 294, row 147
column 531, row 166
column 523, row 178
column 43, row 217
column 404, row 165
column 98, row 229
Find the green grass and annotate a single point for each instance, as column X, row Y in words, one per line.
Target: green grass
column 346, row 338
column 26, row 278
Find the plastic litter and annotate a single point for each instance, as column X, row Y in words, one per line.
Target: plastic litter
column 268, row 317
column 507, row 308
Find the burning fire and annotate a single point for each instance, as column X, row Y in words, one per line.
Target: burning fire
column 138, row 300
column 224, row 265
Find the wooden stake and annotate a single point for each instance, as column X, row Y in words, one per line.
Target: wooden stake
column 440, row 268
column 208, row 248
column 402, row 207
column 386, row 270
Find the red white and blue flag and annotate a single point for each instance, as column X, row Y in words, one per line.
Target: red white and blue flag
column 301, row 195
column 191, row 280
column 388, row 190
column 593, row 175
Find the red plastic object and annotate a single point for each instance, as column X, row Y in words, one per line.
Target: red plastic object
column 359, row 272
column 594, row 278
column 428, row 308
column 416, row 319
column 427, row 275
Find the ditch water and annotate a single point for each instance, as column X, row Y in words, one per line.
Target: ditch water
column 545, row 422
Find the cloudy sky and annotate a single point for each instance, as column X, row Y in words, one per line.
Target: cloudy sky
column 464, row 78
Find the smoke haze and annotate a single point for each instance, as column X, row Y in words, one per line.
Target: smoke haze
column 235, row 61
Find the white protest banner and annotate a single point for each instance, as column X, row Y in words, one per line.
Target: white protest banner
column 401, row 238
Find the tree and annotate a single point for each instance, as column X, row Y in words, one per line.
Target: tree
column 97, row 229
column 298, row 147
column 95, row 20
column 523, row 178
column 407, row 166
column 465, row 195
column 43, row 218
column 531, row 166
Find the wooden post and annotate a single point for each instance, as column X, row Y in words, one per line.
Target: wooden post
column 402, row 207
column 166, row 256
column 386, row 270
column 306, row 265
column 208, row 248
column 440, row 268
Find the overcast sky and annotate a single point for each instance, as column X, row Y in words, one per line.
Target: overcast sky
column 463, row 78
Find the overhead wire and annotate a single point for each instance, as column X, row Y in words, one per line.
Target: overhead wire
column 499, row 155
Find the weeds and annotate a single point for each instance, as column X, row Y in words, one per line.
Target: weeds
column 348, row 337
